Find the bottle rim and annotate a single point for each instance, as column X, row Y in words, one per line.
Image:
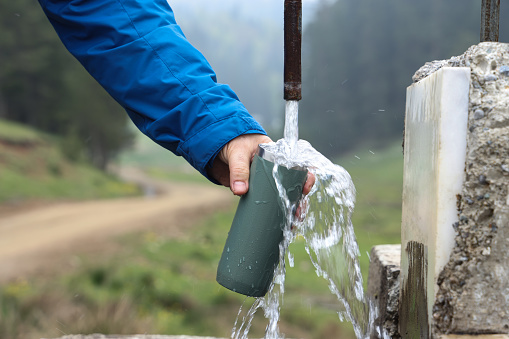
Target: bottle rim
column 269, row 156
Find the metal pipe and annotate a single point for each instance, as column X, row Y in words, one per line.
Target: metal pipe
column 292, row 47
column 490, row 20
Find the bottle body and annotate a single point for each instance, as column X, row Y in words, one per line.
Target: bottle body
column 251, row 252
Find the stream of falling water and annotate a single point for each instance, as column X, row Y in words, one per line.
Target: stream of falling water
column 291, row 131
column 325, row 224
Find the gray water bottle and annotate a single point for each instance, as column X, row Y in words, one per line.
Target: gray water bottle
column 251, row 252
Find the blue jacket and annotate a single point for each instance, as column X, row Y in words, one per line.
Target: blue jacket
column 138, row 53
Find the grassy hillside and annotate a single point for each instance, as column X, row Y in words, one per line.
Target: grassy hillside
column 162, row 285
column 33, row 167
column 157, row 161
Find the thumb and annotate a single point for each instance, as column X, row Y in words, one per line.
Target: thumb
column 239, row 164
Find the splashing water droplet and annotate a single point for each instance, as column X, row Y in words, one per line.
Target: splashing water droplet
column 291, row 260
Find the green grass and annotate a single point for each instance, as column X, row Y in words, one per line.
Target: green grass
column 32, row 167
column 80, row 183
column 378, row 179
column 16, row 133
column 180, row 175
column 161, row 285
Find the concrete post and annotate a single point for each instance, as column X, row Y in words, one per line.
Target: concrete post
column 473, row 294
column 455, row 240
column 383, row 288
column 434, row 159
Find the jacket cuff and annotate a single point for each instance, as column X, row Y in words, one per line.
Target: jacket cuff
column 201, row 149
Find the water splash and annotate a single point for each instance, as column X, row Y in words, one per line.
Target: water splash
column 325, row 224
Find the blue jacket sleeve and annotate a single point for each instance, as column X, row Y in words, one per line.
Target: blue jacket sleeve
column 138, row 53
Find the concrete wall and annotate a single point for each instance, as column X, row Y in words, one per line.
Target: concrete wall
column 466, row 294
column 473, row 292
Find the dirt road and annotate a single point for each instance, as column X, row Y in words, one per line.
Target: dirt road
column 46, row 238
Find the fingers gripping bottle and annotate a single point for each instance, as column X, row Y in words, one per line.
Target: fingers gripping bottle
column 251, row 252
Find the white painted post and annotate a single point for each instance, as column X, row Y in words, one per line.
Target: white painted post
column 434, row 162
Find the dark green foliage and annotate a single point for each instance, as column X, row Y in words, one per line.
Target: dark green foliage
column 359, row 57
column 43, row 86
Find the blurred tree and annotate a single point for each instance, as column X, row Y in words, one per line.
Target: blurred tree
column 359, row 57
column 42, row 85
column 246, row 54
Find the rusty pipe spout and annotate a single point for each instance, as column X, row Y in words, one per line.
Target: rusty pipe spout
column 292, row 47
column 490, row 20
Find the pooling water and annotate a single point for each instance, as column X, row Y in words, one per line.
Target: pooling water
column 325, row 224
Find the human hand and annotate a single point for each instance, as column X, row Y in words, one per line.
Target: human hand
column 231, row 166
